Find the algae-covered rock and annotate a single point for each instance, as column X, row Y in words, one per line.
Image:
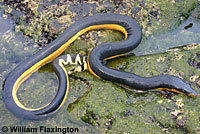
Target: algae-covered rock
column 151, row 112
column 95, row 105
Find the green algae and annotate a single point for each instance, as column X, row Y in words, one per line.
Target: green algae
column 154, row 111
column 98, row 106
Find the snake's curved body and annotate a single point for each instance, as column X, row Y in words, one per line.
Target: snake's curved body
column 133, row 35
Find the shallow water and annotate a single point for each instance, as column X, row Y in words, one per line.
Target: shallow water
column 14, row 46
column 187, row 33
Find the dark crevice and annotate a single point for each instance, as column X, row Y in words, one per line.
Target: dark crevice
column 188, row 26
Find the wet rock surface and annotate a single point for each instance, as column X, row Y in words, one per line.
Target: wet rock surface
column 95, row 105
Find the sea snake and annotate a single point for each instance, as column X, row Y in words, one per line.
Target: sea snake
column 133, row 35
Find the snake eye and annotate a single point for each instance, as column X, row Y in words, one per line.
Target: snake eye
column 170, row 86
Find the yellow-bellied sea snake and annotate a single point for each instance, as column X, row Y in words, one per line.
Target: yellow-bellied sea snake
column 122, row 23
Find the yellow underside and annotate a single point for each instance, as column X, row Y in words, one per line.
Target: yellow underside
column 171, row 90
column 176, row 91
column 52, row 56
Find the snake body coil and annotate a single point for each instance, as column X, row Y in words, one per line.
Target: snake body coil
column 133, row 35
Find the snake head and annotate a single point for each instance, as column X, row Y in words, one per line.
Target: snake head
column 177, row 85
